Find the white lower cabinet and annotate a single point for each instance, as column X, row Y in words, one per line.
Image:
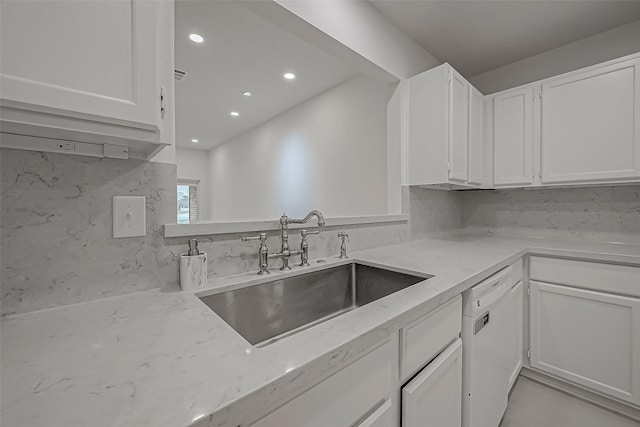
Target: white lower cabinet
column 434, row 396
column 344, row 398
column 381, row 417
column 516, row 340
column 367, row 393
column 422, row 339
column 588, row 337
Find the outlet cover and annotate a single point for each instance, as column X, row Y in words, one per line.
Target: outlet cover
column 129, row 216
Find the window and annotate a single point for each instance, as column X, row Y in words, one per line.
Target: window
column 187, row 201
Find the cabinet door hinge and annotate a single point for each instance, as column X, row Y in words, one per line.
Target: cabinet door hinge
column 449, row 169
column 528, row 291
column 529, row 354
column 449, row 76
column 163, row 103
column 540, row 93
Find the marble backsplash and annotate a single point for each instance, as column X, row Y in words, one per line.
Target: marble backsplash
column 56, row 245
column 56, row 229
column 590, row 213
column 228, row 255
column 432, row 213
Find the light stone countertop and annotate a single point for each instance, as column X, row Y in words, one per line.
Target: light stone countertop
column 158, row 358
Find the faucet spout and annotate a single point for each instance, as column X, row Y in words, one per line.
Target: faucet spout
column 311, row 214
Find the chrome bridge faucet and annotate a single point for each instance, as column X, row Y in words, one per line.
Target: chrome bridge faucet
column 285, row 252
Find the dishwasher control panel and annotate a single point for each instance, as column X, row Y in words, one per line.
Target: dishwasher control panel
column 480, row 323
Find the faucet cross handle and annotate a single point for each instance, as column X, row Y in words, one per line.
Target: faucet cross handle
column 262, row 237
column 304, row 247
column 262, row 251
column 343, row 246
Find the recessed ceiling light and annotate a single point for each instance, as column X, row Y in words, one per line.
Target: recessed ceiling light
column 234, row 113
column 196, row 38
column 247, row 93
column 289, row 76
column 195, row 141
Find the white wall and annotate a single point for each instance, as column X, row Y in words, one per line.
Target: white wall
column 362, row 30
column 328, row 153
column 194, row 164
column 617, row 42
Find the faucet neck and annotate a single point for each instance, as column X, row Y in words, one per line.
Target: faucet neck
column 284, row 219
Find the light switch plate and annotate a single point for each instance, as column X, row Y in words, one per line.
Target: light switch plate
column 129, row 219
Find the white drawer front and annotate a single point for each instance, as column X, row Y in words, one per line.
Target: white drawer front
column 382, row 417
column 620, row 279
column 434, row 396
column 342, row 399
column 423, row 339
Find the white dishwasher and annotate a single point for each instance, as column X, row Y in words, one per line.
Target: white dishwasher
column 486, row 351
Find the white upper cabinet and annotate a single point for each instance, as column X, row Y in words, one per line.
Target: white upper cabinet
column 578, row 128
column 85, row 71
column 513, row 138
column 459, row 90
column 590, row 125
column 476, row 137
column 443, row 116
column 83, row 59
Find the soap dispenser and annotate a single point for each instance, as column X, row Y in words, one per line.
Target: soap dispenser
column 193, row 267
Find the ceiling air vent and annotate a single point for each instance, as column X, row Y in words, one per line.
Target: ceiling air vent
column 179, row 74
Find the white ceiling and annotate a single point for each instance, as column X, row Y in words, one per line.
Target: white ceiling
column 241, row 52
column 477, row 36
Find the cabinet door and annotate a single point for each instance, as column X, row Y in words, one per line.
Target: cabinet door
column 476, row 133
column 591, row 125
column 342, row 399
column 382, row 417
column 458, row 127
column 92, row 60
column 513, row 138
column 590, row 338
column 516, row 339
column 434, row 396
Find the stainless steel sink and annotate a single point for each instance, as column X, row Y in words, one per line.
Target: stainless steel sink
column 267, row 312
